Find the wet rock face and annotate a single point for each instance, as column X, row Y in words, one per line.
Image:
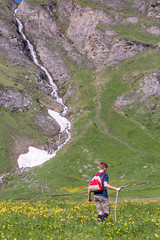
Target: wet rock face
column 10, row 98
column 41, row 77
column 47, row 125
column 51, row 6
column 52, row 60
column 11, row 44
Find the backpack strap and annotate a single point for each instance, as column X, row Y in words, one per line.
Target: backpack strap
column 101, row 177
column 99, row 174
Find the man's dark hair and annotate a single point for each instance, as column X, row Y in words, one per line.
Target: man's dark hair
column 103, row 165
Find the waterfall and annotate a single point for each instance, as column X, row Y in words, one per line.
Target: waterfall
column 35, row 156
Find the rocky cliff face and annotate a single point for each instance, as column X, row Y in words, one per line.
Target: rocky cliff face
column 90, row 31
column 41, row 27
column 84, row 29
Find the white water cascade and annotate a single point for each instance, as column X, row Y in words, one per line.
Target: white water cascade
column 35, row 156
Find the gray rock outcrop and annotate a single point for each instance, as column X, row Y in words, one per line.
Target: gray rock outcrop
column 130, row 20
column 9, row 97
column 99, row 46
column 154, row 10
column 88, row 39
column 123, row 49
column 154, row 30
column 148, row 87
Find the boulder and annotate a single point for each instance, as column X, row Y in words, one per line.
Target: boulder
column 46, row 125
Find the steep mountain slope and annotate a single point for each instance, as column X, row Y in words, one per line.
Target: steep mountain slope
column 19, row 96
column 104, row 58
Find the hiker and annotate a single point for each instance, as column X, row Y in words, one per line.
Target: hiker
column 101, row 196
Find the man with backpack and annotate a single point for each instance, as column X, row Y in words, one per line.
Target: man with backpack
column 99, row 185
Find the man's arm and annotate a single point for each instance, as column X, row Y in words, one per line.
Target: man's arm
column 107, row 185
column 89, row 195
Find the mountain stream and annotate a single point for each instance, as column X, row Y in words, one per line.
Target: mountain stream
column 35, row 156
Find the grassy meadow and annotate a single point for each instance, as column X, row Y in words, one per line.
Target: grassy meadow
column 51, row 219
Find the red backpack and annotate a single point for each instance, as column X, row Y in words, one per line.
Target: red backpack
column 96, row 183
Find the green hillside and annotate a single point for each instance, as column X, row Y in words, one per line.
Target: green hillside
column 127, row 139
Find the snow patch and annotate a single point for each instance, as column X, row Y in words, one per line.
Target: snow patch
column 33, row 158
column 62, row 121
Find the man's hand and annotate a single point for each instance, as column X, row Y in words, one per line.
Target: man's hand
column 119, row 189
column 89, row 199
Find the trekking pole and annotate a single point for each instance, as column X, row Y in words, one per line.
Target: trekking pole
column 115, row 212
